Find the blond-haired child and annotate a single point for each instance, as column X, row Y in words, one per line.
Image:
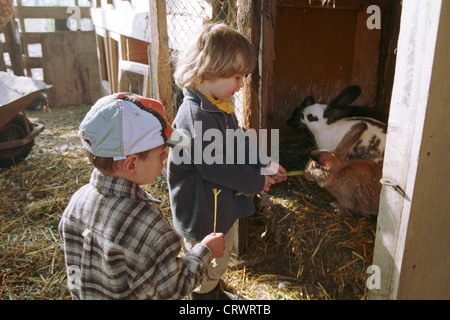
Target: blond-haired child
column 210, row 71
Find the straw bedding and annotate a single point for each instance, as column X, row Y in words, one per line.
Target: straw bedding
column 321, row 253
column 299, row 247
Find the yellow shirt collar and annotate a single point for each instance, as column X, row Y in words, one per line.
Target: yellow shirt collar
column 223, row 105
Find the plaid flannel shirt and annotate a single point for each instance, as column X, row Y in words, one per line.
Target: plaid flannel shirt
column 117, row 245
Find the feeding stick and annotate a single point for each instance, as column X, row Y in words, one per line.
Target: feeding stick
column 291, row 174
column 216, row 193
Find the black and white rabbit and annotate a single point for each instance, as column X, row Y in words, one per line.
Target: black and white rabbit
column 329, row 123
column 356, row 184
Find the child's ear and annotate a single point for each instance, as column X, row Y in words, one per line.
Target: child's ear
column 129, row 165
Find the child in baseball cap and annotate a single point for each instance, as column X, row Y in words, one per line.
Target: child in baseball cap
column 117, row 244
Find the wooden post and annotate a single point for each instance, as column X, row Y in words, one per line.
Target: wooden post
column 249, row 24
column 14, row 51
column 425, row 266
column 113, row 47
column 412, row 239
column 2, row 59
column 269, row 13
column 389, row 37
column 101, row 54
column 159, row 57
column 24, row 43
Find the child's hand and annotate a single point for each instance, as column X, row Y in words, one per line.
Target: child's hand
column 269, row 182
column 215, row 244
column 272, row 170
column 280, row 174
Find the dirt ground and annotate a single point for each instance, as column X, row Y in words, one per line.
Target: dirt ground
column 297, row 249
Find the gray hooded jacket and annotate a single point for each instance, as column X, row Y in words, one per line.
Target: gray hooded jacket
column 194, row 172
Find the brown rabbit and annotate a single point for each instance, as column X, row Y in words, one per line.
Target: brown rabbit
column 355, row 185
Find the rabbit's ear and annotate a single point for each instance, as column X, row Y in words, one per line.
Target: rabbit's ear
column 336, row 113
column 297, row 115
column 346, row 97
column 350, row 138
column 322, row 157
column 338, row 107
column 309, row 101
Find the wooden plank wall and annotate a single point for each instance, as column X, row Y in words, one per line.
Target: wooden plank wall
column 31, row 37
column 67, row 56
column 70, row 65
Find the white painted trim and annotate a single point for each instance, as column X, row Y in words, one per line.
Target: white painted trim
column 133, row 24
column 416, row 50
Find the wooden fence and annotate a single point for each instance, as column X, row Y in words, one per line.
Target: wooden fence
column 28, row 37
column 67, row 56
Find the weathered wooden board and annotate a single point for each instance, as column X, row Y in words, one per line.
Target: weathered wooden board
column 412, row 239
column 426, row 260
column 70, row 64
column 160, row 57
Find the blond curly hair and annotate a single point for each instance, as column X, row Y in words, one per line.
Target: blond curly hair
column 218, row 51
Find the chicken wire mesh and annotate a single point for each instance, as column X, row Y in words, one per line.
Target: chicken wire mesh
column 186, row 18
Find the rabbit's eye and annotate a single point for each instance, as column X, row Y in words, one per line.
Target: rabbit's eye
column 312, row 118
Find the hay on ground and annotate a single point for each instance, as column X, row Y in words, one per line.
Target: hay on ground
column 299, row 248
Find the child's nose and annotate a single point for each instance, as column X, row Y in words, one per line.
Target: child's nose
column 241, row 83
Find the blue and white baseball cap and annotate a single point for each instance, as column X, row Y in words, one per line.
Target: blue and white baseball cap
column 125, row 123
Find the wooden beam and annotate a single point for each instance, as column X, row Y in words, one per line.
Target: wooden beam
column 137, row 50
column 159, row 58
column 390, row 27
column 14, row 51
column 128, row 23
column 333, row 4
column 101, row 55
column 2, row 58
column 48, row 13
column 30, row 37
column 249, row 24
column 123, row 48
column 31, row 62
column 107, row 57
column 269, row 13
column 113, row 65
